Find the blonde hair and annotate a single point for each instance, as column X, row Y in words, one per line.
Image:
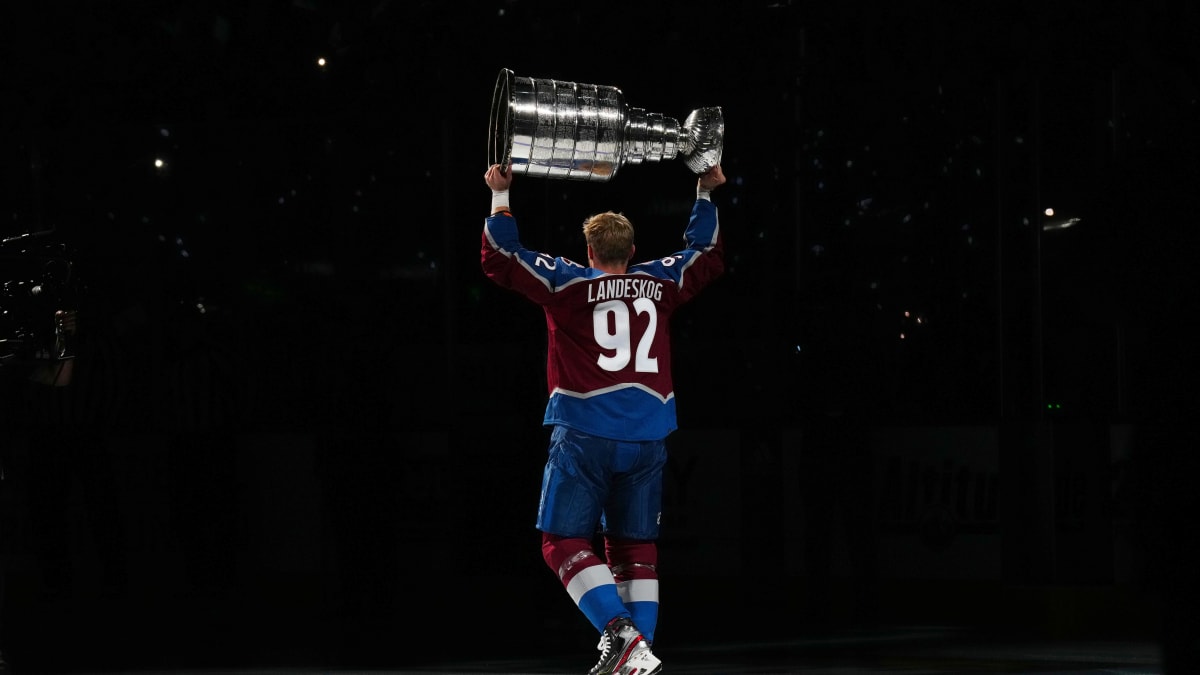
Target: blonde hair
column 611, row 237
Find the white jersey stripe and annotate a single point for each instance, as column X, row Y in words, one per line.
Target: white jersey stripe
column 615, row 387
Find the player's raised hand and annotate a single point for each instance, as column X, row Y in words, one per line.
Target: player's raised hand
column 709, row 180
column 498, row 178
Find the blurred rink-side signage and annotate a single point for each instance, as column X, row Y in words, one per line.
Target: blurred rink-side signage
column 938, row 498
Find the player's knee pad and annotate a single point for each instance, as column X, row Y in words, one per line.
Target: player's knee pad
column 632, row 558
column 562, row 554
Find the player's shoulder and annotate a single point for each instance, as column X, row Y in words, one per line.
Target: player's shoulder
column 663, row 265
column 564, row 270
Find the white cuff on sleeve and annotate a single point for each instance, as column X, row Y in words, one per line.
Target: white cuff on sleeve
column 704, row 194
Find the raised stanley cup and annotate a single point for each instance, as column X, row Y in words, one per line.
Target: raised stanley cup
column 557, row 129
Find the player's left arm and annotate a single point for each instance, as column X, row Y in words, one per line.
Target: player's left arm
column 704, row 258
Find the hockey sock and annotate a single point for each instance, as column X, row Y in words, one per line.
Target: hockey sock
column 585, row 576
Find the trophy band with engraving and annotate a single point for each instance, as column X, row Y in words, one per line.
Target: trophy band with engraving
column 558, row 129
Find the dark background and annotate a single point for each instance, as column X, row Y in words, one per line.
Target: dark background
column 302, row 418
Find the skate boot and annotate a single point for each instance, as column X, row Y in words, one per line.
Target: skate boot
column 623, row 651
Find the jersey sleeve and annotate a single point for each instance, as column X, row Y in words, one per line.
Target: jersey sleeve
column 701, row 260
column 508, row 263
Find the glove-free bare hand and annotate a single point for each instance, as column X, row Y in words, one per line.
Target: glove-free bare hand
column 498, row 178
column 709, row 180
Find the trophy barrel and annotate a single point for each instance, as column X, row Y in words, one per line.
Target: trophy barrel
column 559, row 129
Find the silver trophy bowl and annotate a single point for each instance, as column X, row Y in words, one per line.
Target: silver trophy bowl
column 556, row 129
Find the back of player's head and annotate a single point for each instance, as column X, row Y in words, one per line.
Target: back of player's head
column 610, row 235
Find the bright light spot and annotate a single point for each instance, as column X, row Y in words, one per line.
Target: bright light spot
column 158, row 163
column 321, row 62
column 902, row 336
column 907, row 314
column 1060, row 224
column 1049, row 211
